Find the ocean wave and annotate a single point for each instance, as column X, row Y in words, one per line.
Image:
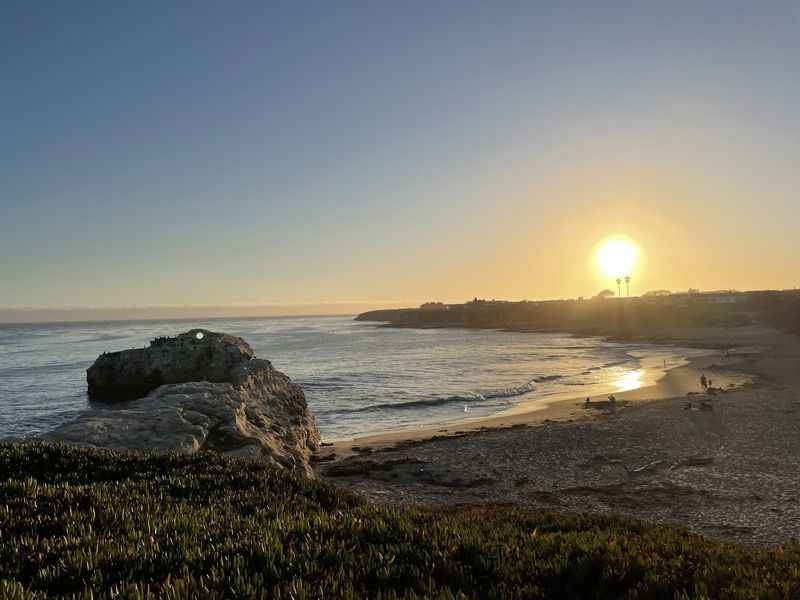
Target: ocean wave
column 414, row 404
column 608, row 365
column 617, row 363
column 544, row 378
column 324, row 382
column 509, row 392
column 77, row 339
column 47, row 368
column 323, row 386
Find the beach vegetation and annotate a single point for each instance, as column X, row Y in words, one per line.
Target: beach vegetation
column 100, row 524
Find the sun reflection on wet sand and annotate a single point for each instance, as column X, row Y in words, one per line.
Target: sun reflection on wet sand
column 632, row 380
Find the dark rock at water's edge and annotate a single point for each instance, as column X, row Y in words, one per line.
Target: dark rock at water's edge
column 202, row 391
column 197, row 355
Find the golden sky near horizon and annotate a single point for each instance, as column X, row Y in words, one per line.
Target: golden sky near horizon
column 540, row 242
column 391, row 157
column 690, row 231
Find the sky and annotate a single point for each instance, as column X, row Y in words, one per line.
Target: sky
column 377, row 153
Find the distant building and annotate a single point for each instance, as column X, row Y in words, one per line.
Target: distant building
column 722, row 297
column 694, row 296
column 433, row 306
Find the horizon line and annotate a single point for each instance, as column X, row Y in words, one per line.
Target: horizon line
column 32, row 315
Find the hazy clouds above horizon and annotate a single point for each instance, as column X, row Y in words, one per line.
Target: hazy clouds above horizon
column 215, row 153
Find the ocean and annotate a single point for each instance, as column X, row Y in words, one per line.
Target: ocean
column 359, row 378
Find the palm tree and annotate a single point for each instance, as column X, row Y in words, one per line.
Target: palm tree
column 628, row 284
column 619, row 289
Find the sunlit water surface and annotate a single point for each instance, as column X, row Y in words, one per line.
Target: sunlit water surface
column 358, row 377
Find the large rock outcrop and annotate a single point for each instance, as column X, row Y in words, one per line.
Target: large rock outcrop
column 202, row 391
column 197, row 355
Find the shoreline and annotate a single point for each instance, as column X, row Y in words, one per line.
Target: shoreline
column 723, row 465
column 673, row 383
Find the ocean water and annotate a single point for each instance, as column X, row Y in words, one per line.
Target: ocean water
column 359, row 378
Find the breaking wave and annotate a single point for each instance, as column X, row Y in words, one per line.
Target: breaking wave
column 509, row 392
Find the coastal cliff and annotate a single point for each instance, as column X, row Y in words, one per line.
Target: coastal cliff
column 199, row 391
column 647, row 316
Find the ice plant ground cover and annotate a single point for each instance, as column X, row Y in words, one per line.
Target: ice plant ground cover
column 94, row 523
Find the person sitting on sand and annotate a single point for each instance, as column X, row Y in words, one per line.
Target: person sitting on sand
column 612, row 399
column 588, row 401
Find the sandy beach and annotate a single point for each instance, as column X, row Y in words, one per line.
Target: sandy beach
column 566, row 407
column 724, row 464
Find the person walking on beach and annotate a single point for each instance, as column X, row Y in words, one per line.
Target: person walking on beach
column 703, row 381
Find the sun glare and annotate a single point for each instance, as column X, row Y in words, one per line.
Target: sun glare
column 632, row 380
column 616, row 257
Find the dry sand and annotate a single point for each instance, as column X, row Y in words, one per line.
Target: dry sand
column 728, row 467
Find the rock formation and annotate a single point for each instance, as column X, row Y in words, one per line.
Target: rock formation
column 197, row 355
column 202, row 391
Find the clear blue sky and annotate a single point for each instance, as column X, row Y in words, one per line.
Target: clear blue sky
column 171, row 153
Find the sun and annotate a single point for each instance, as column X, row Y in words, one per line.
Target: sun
column 616, row 257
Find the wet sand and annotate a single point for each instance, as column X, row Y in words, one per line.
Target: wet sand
column 728, row 466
